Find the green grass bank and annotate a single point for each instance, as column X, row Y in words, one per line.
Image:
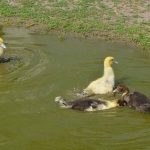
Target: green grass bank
column 127, row 20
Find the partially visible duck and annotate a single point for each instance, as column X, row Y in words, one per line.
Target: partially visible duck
column 2, row 47
column 86, row 104
column 2, row 58
column 135, row 100
column 104, row 84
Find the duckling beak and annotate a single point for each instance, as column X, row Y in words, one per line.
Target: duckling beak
column 116, row 62
column 2, row 45
column 115, row 91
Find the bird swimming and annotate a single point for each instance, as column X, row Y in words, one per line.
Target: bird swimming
column 2, row 46
column 135, row 100
column 2, row 58
column 104, row 84
column 86, row 104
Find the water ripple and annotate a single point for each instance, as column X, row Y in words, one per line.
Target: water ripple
column 32, row 62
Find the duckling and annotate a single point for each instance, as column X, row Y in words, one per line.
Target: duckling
column 104, row 84
column 86, row 104
column 2, row 47
column 135, row 100
column 5, row 59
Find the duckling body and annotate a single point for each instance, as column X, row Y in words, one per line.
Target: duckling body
column 138, row 101
column 2, row 47
column 1, row 51
column 135, row 100
column 86, row 104
column 2, row 58
column 104, row 84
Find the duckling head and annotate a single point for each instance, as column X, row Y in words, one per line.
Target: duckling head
column 121, row 89
column 108, row 61
column 2, row 46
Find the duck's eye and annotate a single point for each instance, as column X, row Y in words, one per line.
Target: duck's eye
column 111, row 60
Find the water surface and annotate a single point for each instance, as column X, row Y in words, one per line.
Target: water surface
column 49, row 67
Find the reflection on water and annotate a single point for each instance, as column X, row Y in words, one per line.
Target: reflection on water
column 49, row 67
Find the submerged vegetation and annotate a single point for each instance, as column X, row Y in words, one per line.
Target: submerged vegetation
column 110, row 19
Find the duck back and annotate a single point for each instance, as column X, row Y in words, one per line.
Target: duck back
column 137, row 99
column 85, row 104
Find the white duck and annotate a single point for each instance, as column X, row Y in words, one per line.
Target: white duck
column 104, row 84
column 2, row 47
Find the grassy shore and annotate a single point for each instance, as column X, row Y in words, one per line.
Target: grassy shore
column 110, row 19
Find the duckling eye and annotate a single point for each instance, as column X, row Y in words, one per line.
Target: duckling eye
column 111, row 61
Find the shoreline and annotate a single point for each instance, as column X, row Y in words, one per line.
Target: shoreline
column 39, row 28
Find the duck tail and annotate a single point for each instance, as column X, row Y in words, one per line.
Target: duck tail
column 62, row 103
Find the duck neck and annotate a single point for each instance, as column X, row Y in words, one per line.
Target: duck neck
column 108, row 70
column 126, row 93
column 1, row 51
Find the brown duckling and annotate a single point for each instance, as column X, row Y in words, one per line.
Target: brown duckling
column 135, row 100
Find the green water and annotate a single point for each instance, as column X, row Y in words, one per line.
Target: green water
column 49, row 67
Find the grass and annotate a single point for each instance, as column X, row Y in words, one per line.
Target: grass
column 117, row 19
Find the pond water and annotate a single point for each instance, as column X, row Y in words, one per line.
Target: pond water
column 49, row 67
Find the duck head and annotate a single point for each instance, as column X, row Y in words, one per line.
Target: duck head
column 109, row 61
column 2, row 45
column 121, row 89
